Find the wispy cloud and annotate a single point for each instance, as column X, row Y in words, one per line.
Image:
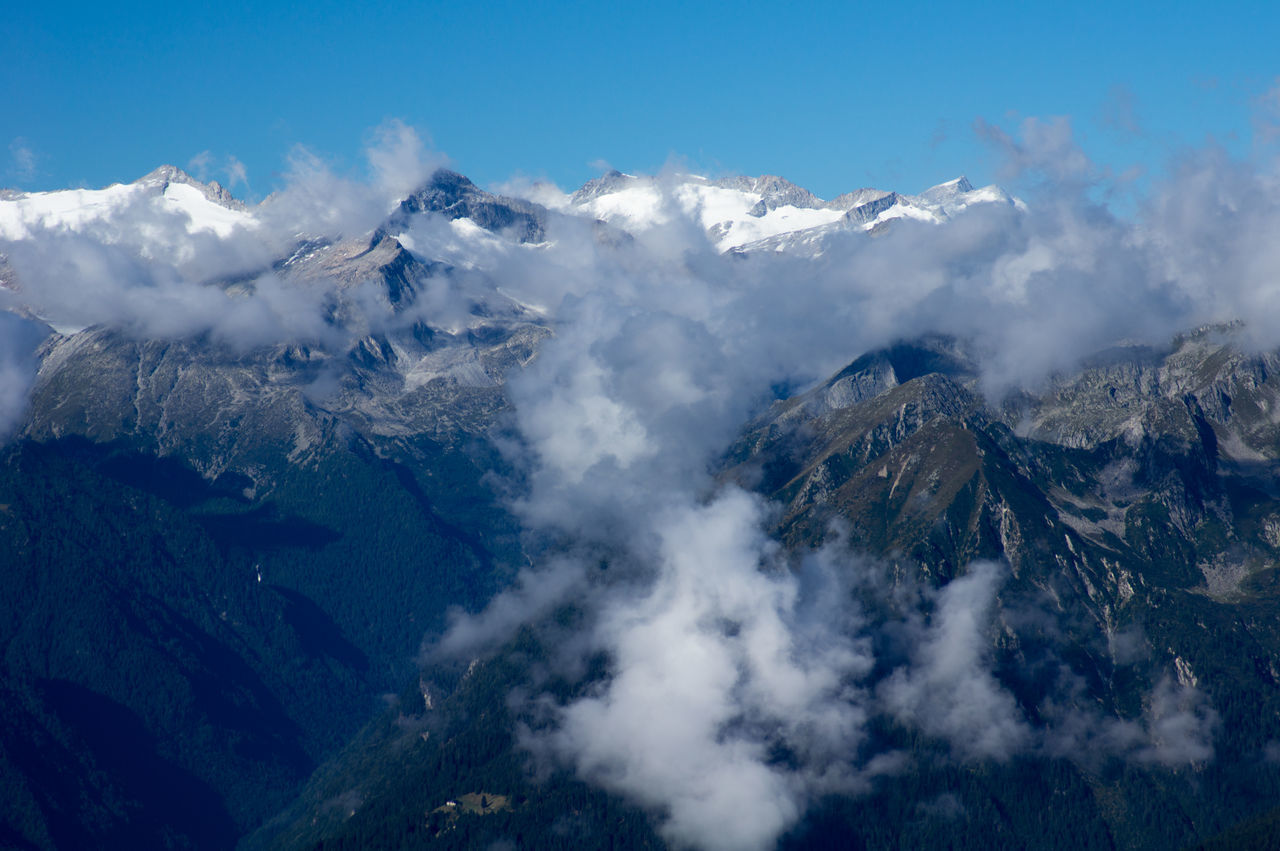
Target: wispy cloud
column 23, row 159
column 198, row 166
column 18, row 341
column 237, row 174
column 1120, row 112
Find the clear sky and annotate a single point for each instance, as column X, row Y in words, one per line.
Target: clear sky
column 833, row 96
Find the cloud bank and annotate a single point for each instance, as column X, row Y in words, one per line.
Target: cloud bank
column 722, row 657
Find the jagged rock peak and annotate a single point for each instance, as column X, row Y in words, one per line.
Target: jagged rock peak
column 858, row 197
column 610, row 181
column 860, row 211
column 455, row 196
column 448, row 180
column 774, row 191
column 167, row 174
column 213, row 190
column 948, row 190
column 443, row 188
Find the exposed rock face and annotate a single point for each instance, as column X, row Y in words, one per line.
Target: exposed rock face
column 774, row 191
column 610, row 181
column 1145, row 464
column 161, row 177
column 1141, row 551
column 869, row 210
column 454, row 196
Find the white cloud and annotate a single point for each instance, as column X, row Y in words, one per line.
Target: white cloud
column 948, row 690
column 400, row 160
column 198, row 165
column 23, row 158
column 237, row 174
column 714, row 663
column 18, row 341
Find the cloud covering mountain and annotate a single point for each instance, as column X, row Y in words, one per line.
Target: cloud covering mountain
column 743, row 677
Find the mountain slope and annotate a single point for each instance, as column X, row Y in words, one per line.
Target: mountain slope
column 1117, row 609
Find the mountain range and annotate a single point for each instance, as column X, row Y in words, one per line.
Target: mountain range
column 672, row 512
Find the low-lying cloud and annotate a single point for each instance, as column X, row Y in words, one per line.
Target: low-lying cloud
column 717, row 661
column 949, row 691
column 19, row 339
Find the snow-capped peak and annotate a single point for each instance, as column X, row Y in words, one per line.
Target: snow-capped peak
column 610, row 182
column 744, row 211
column 947, row 199
column 166, row 175
column 167, row 191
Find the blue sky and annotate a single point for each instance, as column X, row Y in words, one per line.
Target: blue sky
column 833, row 96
